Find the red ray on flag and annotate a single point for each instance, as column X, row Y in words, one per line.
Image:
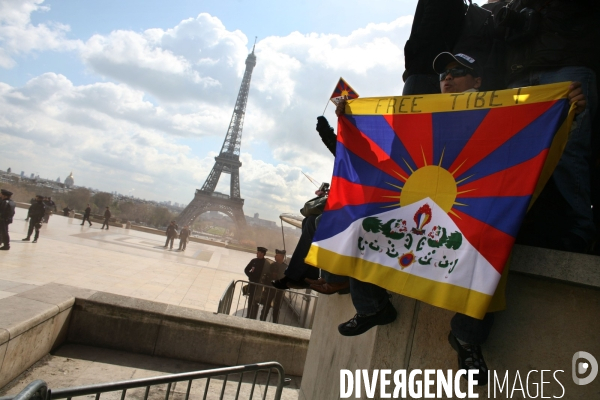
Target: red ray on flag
column 343, row 90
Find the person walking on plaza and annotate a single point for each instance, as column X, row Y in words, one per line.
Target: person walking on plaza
column 50, row 207
column 7, row 212
column 274, row 296
column 36, row 214
column 107, row 216
column 184, row 236
column 171, row 234
column 86, row 215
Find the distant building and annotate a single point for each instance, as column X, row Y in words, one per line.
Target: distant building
column 58, row 179
column 9, row 170
column 256, row 221
column 69, row 181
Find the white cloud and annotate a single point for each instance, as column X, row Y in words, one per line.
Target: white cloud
column 19, row 36
column 165, row 93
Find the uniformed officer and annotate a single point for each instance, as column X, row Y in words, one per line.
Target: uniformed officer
column 274, row 296
column 36, row 215
column 7, row 211
column 254, row 272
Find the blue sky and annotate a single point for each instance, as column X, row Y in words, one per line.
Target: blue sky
column 139, row 94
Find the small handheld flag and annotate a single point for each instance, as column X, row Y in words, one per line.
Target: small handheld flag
column 343, row 91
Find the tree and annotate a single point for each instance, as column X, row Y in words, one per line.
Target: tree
column 102, row 199
column 76, row 199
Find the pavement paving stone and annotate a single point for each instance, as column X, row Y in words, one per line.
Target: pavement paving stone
column 118, row 261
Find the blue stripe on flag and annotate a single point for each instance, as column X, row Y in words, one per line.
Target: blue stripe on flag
column 376, row 128
column 452, row 131
column 336, row 221
column 503, row 213
column 523, row 146
column 356, row 170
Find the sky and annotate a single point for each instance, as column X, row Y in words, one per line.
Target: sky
column 136, row 96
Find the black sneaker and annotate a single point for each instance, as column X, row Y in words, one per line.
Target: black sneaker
column 34, row 241
column 470, row 357
column 361, row 323
column 26, row 239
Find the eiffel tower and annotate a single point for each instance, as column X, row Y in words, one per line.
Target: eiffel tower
column 228, row 161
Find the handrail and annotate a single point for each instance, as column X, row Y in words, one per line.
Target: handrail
column 303, row 311
column 123, row 386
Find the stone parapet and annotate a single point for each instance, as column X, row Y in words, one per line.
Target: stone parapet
column 35, row 322
column 553, row 304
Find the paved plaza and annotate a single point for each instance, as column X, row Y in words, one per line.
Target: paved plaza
column 120, row 261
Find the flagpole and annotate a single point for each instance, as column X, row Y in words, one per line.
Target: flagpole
column 325, row 107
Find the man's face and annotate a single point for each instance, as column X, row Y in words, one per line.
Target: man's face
column 260, row 254
column 452, row 84
column 279, row 258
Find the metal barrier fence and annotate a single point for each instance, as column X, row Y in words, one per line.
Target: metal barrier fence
column 166, row 387
column 286, row 307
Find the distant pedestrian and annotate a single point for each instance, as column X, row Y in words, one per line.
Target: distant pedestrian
column 184, row 237
column 66, row 211
column 7, row 211
column 107, row 216
column 86, row 215
column 50, row 207
column 32, row 202
column 36, row 214
column 171, row 234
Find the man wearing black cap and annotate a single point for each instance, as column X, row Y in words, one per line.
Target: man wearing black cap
column 254, row 272
column 7, row 211
column 274, row 296
column 36, row 215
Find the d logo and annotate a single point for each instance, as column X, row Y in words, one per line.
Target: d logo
column 581, row 368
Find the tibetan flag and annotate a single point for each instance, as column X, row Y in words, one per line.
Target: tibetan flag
column 428, row 192
column 343, row 91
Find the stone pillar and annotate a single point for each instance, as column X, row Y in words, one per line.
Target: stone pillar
column 71, row 214
column 546, row 322
column 128, row 225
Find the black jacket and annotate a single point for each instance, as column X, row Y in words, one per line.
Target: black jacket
column 568, row 36
column 435, row 28
column 88, row 211
column 258, row 265
column 37, row 211
column 7, row 211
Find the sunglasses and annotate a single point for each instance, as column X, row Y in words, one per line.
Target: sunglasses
column 457, row 73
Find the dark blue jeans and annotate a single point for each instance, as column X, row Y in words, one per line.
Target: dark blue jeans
column 297, row 270
column 572, row 174
column 369, row 299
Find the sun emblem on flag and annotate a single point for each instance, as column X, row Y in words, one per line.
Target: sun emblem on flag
column 431, row 181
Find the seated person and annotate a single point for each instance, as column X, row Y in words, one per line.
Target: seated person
column 299, row 274
column 457, row 73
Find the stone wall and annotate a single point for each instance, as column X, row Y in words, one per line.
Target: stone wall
column 553, row 311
